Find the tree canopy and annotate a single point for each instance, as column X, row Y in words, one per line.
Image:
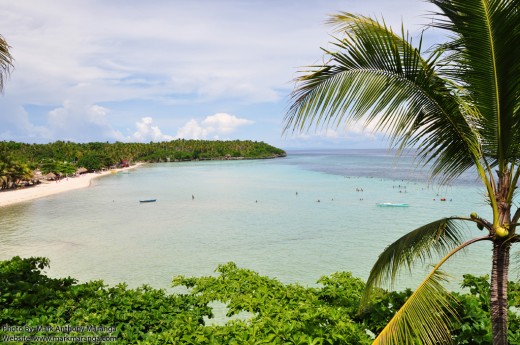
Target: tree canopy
column 17, row 160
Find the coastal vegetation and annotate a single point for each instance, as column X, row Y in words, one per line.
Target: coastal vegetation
column 19, row 160
column 458, row 104
column 34, row 305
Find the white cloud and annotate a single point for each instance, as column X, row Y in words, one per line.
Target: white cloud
column 224, row 123
column 147, row 132
column 68, row 115
column 353, row 133
column 16, row 125
column 136, row 57
column 192, row 130
column 216, row 125
column 81, row 122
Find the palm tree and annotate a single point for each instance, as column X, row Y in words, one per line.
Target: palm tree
column 6, row 62
column 13, row 172
column 458, row 105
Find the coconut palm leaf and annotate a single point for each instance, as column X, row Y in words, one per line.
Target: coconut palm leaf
column 484, row 59
column 6, row 61
column 436, row 238
column 378, row 77
column 426, row 314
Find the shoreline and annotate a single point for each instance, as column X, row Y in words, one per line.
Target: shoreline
column 11, row 197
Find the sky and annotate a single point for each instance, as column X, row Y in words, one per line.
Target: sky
column 156, row 70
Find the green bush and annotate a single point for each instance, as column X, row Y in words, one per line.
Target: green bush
column 29, row 298
column 269, row 312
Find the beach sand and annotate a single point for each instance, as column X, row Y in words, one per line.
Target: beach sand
column 52, row 187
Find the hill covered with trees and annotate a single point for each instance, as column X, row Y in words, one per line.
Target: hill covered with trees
column 19, row 160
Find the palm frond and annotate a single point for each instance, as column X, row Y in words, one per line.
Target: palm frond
column 438, row 237
column 6, row 61
column 379, row 77
column 426, row 314
column 484, row 57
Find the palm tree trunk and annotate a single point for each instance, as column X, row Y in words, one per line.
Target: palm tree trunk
column 499, row 281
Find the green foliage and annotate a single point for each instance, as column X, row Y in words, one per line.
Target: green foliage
column 29, row 298
column 385, row 305
column 97, row 155
column 179, row 149
column 12, row 171
column 93, row 161
column 57, row 167
column 18, row 160
column 282, row 314
column 268, row 311
column 474, row 326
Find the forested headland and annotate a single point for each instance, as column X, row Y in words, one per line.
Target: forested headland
column 18, row 161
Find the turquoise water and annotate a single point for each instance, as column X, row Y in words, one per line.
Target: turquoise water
column 263, row 214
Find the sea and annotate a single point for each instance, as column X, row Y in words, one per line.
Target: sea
column 295, row 219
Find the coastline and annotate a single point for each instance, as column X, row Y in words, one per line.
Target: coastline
column 44, row 189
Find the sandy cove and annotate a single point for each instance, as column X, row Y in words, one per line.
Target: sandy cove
column 52, row 187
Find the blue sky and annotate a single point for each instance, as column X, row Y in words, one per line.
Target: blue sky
column 108, row 70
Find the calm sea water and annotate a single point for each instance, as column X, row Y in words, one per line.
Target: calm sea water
column 294, row 218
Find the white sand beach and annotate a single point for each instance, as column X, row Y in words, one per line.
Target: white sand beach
column 52, row 187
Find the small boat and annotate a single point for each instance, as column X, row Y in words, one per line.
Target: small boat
column 390, row 204
column 148, row 200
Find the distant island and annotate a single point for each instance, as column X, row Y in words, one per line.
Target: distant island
column 23, row 163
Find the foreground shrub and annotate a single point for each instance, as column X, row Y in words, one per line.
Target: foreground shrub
column 267, row 311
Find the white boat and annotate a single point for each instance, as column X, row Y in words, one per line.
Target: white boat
column 390, row 204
